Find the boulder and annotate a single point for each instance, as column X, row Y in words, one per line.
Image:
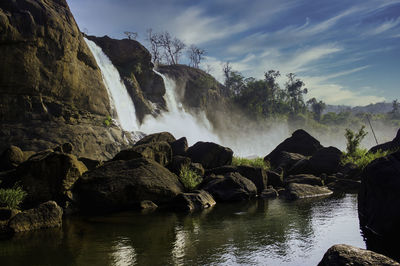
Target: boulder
column 351, row 171
column 194, row 201
column 275, row 179
column 11, row 158
column 147, row 205
column 300, row 191
column 210, row 154
column 46, row 215
column 269, row 193
column 388, row 146
column 304, row 179
column 349, row 255
column 286, row 160
column 90, row 163
column 301, row 167
column 255, row 174
column 378, row 198
column 177, row 162
column 121, row 184
column 344, row 185
column 300, row 142
column 179, row 147
column 222, row 170
column 326, row 160
column 156, row 137
column 231, row 187
column 65, row 148
column 160, row 152
column 49, row 176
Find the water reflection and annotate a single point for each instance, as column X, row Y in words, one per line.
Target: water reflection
column 257, row 232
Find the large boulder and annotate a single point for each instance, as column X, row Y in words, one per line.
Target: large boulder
column 286, row 160
column 160, row 152
column 300, row 191
column 179, row 147
column 348, row 255
column 11, row 158
column 300, row 142
column 156, row 137
column 120, row 185
column 304, row 179
column 46, row 215
column 210, row 154
column 275, row 179
column 378, row 198
column 49, row 176
column 255, row 174
column 326, row 160
column 388, row 146
column 231, row 187
column 193, row 201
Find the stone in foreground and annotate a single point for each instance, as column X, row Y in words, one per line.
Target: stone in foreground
column 348, row 255
column 194, row 201
column 210, row 154
column 300, row 191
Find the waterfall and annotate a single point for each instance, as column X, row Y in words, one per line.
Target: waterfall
column 119, row 98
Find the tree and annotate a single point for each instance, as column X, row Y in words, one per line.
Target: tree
column 173, row 47
column 155, row 46
column 195, row 54
column 234, row 81
column 131, row 35
column 317, row 108
column 395, row 107
column 354, row 139
column 295, row 90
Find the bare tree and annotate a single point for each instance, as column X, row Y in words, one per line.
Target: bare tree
column 131, row 35
column 155, row 46
column 195, row 54
column 173, row 47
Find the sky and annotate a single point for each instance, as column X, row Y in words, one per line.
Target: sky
column 346, row 52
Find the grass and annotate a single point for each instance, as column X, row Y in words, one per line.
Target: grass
column 256, row 162
column 11, row 198
column 362, row 158
column 189, row 178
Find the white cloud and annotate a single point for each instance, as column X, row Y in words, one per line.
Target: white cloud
column 383, row 27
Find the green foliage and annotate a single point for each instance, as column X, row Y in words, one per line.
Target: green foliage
column 354, row 139
column 108, row 121
column 361, row 157
column 256, row 162
column 11, row 198
column 189, row 178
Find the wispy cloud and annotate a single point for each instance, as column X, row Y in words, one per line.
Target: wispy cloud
column 383, row 27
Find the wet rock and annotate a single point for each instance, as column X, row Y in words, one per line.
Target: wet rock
column 194, row 201
column 269, row 193
column 46, row 215
column 210, row 154
column 11, row 158
column 326, row 160
column 300, row 191
column 231, row 187
column 304, row 179
column 120, row 185
column 156, row 137
column 344, row 185
column 300, row 142
column 255, row 174
column 6, row 213
column 349, row 255
column 222, row 170
column 179, row 147
column 275, row 179
column 147, row 205
column 388, row 146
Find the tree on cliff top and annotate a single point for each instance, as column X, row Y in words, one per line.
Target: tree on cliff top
column 195, row 54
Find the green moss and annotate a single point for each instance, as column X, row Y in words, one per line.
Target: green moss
column 11, row 198
column 108, row 121
column 189, row 178
column 257, row 162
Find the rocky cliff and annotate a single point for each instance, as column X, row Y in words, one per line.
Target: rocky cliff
column 51, row 88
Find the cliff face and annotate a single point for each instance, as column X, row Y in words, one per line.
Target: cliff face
column 51, row 87
column 133, row 62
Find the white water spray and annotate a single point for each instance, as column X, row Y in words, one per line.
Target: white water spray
column 119, row 97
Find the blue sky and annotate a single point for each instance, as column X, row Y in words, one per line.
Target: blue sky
column 347, row 52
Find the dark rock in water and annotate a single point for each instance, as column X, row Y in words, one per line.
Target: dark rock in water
column 351, row 171
column 6, row 213
column 194, row 201
column 231, row 187
column 287, row 160
column 300, row 191
column 156, row 137
column 179, row 147
column 274, row 179
column 49, row 176
column 120, row 185
column 65, row 148
column 326, row 160
column 304, row 179
column 301, row 167
column 269, row 193
column 344, row 185
column 90, row 164
column 378, row 198
column 46, row 215
column 255, row 174
column 300, row 142
column 147, row 204
column 11, row 158
column 388, row 146
column 348, row 255
column 210, row 154
column 160, row 152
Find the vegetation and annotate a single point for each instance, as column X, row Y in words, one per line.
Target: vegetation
column 361, row 157
column 11, row 198
column 108, row 121
column 189, row 178
column 256, row 162
column 354, row 139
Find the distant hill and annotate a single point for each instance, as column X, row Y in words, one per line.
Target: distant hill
column 376, row 108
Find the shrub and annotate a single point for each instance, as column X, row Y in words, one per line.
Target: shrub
column 108, row 121
column 189, row 178
column 361, row 157
column 256, row 162
column 11, row 198
column 354, row 139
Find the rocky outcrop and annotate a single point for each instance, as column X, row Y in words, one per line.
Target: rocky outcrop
column 304, row 179
column 388, row 146
column 179, row 147
column 326, row 160
column 210, row 154
column 300, row 142
column 300, row 191
column 156, row 137
column 12, row 157
column 194, row 201
column 133, row 62
column 123, row 184
column 349, row 255
column 46, row 215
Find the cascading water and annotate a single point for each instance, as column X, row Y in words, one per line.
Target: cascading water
column 119, row 97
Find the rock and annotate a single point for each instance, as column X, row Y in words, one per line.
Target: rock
column 46, row 215
column 147, row 205
column 120, row 185
column 344, row 185
column 255, row 174
column 231, row 187
column 65, row 148
column 6, row 213
column 156, row 137
column 304, row 179
column 177, row 162
column 179, row 147
column 11, row 158
column 275, row 179
column 300, row 142
column 90, row 163
column 194, row 201
column 49, row 176
column 388, row 146
column 269, row 193
column 210, row 154
column 160, row 152
column 287, row 160
column 351, row 171
column 197, row 168
column 326, row 160
column 222, row 170
column 301, row 167
column 300, row 191
column 348, row 255
column 378, row 198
